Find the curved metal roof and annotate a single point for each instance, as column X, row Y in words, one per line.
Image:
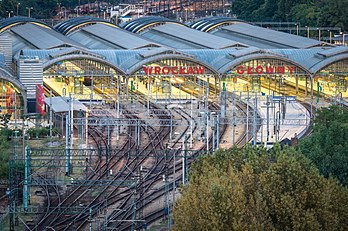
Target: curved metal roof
column 224, row 60
column 52, row 56
column 315, row 59
column 70, row 25
column 132, row 60
column 8, row 23
column 101, row 36
column 140, row 24
column 183, row 37
column 31, row 36
column 265, row 38
column 210, row 23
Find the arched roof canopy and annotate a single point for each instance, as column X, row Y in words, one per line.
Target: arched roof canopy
column 209, row 23
column 50, row 57
column 329, row 61
column 8, row 23
column 141, row 24
column 73, row 24
column 315, row 59
column 81, row 56
column 161, row 56
column 225, row 59
column 251, row 57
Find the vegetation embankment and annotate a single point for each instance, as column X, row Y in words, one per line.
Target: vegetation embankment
column 256, row 189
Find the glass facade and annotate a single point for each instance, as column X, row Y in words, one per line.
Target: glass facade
column 174, row 79
column 11, row 100
column 269, row 77
column 83, row 78
column 331, row 81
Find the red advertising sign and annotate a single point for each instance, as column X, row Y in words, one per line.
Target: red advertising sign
column 40, row 99
column 149, row 70
column 261, row 70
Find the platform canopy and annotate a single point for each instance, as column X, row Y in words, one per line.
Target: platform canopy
column 61, row 105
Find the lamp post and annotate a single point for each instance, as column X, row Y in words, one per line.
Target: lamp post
column 29, row 8
column 17, row 8
column 330, row 33
column 64, row 11
column 297, row 29
column 186, row 10
column 9, row 13
column 343, row 39
column 307, row 31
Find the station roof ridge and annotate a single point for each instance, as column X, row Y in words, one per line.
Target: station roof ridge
column 31, row 36
column 212, row 22
column 142, row 23
column 102, row 36
column 179, row 36
column 70, row 25
column 8, row 23
column 265, row 38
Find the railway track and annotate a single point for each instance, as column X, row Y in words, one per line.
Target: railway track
column 113, row 197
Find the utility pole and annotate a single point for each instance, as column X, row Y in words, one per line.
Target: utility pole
column 267, row 117
column 51, row 113
column 234, row 117
column 254, row 120
column 67, row 136
column 247, row 125
column 107, row 152
column 29, row 8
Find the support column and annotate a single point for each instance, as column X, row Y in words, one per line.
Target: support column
column 26, row 179
column 296, row 84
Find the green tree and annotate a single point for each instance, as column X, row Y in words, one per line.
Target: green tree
column 4, row 152
column 327, row 147
column 250, row 189
column 306, row 14
column 332, row 13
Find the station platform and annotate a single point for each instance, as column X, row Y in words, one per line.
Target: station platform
column 83, row 94
column 295, row 122
column 327, row 90
column 159, row 95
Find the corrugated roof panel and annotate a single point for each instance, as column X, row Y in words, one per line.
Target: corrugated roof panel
column 276, row 37
column 251, row 41
column 333, row 51
column 92, row 42
column 121, row 38
column 170, row 41
column 305, row 57
column 2, row 58
column 42, row 38
column 187, row 34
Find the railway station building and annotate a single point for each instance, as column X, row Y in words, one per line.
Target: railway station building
column 95, row 60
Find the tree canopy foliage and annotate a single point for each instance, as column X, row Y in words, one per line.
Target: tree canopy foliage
column 332, row 13
column 251, row 189
column 327, row 147
column 4, row 152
